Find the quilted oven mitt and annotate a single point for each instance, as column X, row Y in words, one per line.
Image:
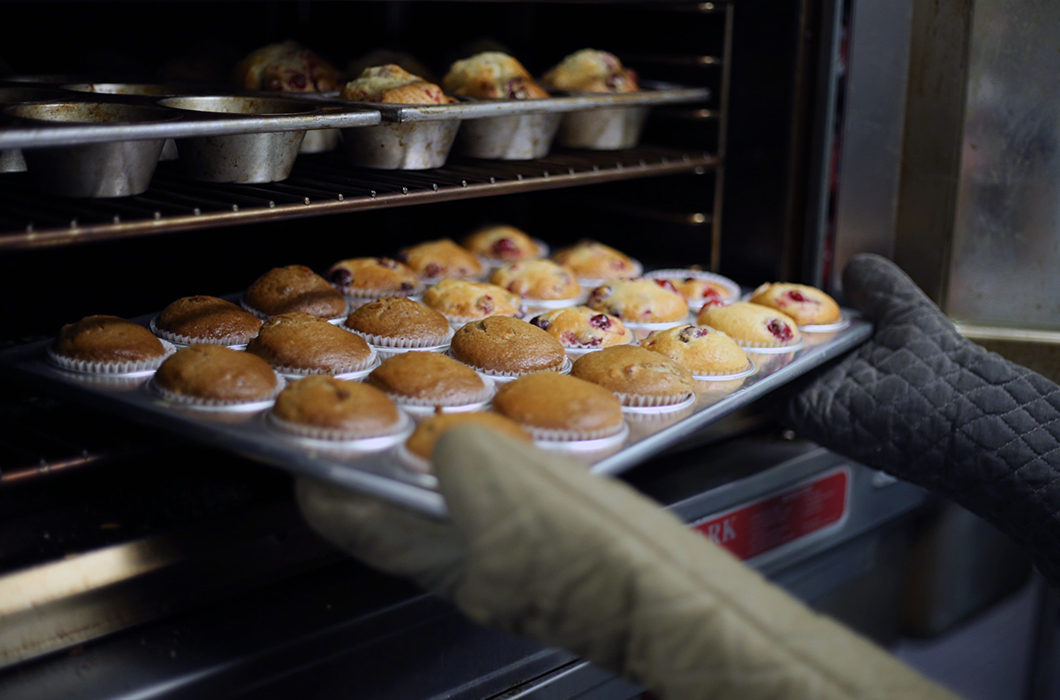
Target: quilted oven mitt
column 925, row 404
column 538, row 547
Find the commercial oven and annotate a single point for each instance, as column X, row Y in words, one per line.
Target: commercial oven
column 136, row 563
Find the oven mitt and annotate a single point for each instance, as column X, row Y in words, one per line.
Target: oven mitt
column 540, row 548
column 925, row 404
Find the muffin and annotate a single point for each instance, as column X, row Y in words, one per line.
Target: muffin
column 287, row 67
column 107, row 344
column 507, row 347
column 751, row 325
column 502, row 243
column 582, row 328
column 461, row 301
column 557, row 407
column 327, row 408
column 429, row 379
column 537, row 280
column 300, row 343
column 435, row 260
column 213, row 375
column 205, row 319
column 638, row 377
column 809, row 306
column 591, row 260
column 361, row 279
column 701, row 349
column 392, row 84
column 400, row 324
column 639, row 300
column 383, row 56
column 421, row 443
column 491, row 75
column 590, row 70
column 283, row 290
column 699, row 287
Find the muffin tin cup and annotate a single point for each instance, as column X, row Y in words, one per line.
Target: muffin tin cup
column 592, row 282
column 217, row 405
column 607, row 442
column 264, row 316
column 401, row 145
column 141, row 368
column 354, row 372
column 183, row 341
column 517, row 137
column 11, row 160
column 426, row 407
column 731, row 287
column 724, row 377
column 357, row 440
column 493, row 263
column 643, row 403
column 320, row 141
column 611, row 129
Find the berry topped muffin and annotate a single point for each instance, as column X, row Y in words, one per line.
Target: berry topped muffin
column 592, row 260
column 421, row 442
column 751, row 325
column 582, row 328
column 809, row 306
column 300, row 343
column 640, row 301
column 590, row 70
column 639, row 377
column 559, row 407
column 462, row 301
column 701, row 349
column 282, row 290
column 502, row 242
column 435, row 260
column 429, row 379
column 206, row 319
column 399, row 323
column 287, row 67
column 392, row 84
column 507, row 347
column 537, row 279
column 215, row 375
column 491, row 75
column 107, row 344
column 327, row 408
column 374, row 278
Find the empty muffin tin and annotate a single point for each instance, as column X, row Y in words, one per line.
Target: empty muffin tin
column 518, row 137
column 401, row 146
column 11, row 160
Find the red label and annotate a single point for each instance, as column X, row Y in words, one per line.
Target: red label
column 758, row 527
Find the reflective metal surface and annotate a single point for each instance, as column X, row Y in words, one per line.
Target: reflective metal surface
column 401, row 146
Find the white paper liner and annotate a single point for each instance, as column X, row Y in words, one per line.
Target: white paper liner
column 403, row 344
column 503, row 377
column 360, row 370
column 601, row 443
column 746, row 372
column 493, row 263
column 458, row 322
column 557, row 435
column 328, row 437
column 660, row 325
column 576, row 351
column 220, row 405
column 641, row 403
column 591, row 282
column 387, row 353
column 675, row 273
column 412, row 461
column 426, row 407
column 480, row 277
column 359, row 297
column 140, row 368
column 533, row 305
column 839, row 325
column 774, row 349
column 183, row 341
column 264, row 316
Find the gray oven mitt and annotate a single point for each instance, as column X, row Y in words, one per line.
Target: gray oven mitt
column 540, row 548
column 925, row 404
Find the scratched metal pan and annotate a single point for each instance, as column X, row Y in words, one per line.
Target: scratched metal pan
column 610, row 129
column 11, row 160
column 401, row 146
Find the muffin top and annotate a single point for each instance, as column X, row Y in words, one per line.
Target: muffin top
column 550, row 401
column 360, row 277
column 491, row 75
column 398, row 318
column 751, row 325
column 287, row 67
column 460, row 299
column 639, row 301
column 698, row 291
column 807, row 305
column 214, row 372
column 282, row 290
column 581, row 327
column 322, row 401
column 303, row 342
column 537, row 279
column 392, row 84
column 507, row 345
column 590, row 70
column 104, row 338
column 699, row 348
column 421, row 442
column 593, row 260
column 629, row 369
column 208, row 319
column 442, row 258
column 428, row 378
column 502, row 242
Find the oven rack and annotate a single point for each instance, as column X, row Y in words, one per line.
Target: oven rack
column 320, row 184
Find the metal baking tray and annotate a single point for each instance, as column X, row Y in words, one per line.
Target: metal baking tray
column 383, row 474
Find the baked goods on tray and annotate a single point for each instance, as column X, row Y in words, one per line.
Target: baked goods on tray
column 557, row 407
column 491, row 75
column 392, row 84
column 461, row 301
column 327, row 408
column 362, row 279
column 541, row 280
column 506, row 347
column 808, row 305
column 751, row 325
column 107, row 344
column 206, row 319
column 591, row 259
column 398, row 323
column 590, row 70
column 435, row 260
column 300, row 343
column 421, row 443
column 639, row 300
column 582, row 328
column 701, row 349
column 213, row 375
column 282, row 290
column 639, row 377
column 429, row 379
column 502, row 242
column 287, row 67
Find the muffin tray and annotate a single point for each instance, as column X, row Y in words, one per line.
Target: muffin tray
column 381, row 472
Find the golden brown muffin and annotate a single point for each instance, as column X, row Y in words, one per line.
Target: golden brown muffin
column 593, row 260
column 507, row 346
column 559, row 407
column 300, row 343
column 287, row 67
column 537, row 279
column 372, row 278
column 421, row 442
column 398, row 322
column 283, row 290
column 323, row 406
column 590, row 70
column 216, row 374
column 491, row 75
column 462, row 301
column 442, row 258
column 502, row 242
column 639, row 377
column 206, row 319
column 639, row 301
column 392, row 84
column 751, row 325
column 809, row 306
column 383, row 56
column 701, row 349
column 580, row 327
column 428, row 379
column 108, row 339
column 699, row 291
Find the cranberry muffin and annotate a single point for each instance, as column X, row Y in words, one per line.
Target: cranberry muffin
column 284, row 290
column 429, row 379
column 537, row 279
column 461, row 301
column 701, row 349
column 639, row 377
column 327, row 408
column 582, row 328
column 491, row 75
column 206, row 319
column 809, row 306
column 399, row 323
column 752, row 325
column 507, row 347
column 213, row 375
column 287, row 67
column 640, row 300
column 108, row 344
column 590, row 259
column 392, row 84
column 590, row 70
column 558, row 407
column 421, row 443
column 360, row 279
column 300, row 343
column 439, row 259
column 502, row 243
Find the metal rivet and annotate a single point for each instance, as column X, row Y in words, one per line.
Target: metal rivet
column 73, row 223
column 341, row 198
column 116, row 220
column 545, row 175
column 196, row 211
column 158, row 216
column 519, row 177
column 493, row 181
column 434, row 186
column 463, row 183
column 570, row 171
column 235, row 207
column 305, row 201
column 404, row 190
column 596, row 168
column 699, row 170
column 643, row 163
column 372, row 195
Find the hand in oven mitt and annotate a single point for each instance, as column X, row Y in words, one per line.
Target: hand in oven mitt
column 540, row 548
column 925, row 404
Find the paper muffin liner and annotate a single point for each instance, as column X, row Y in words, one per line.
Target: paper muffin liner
column 458, row 322
column 557, row 435
column 591, row 282
column 127, row 368
column 533, row 305
column 387, row 353
column 404, row 344
column 364, row 439
column 357, row 371
column 755, row 346
column 654, row 404
column 611, row 441
column 428, row 407
column 725, row 376
column 199, row 403
column 643, row 330
column 360, row 297
column 734, row 290
column 839, row 325
column 502, row 377
column 576, row 351
column 183, row 341
column 478, row 277
column 493, row 263
column 264, row 316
